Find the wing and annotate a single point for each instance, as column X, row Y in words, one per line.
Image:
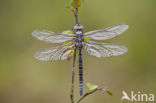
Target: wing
column 61, row 52
column 104, row 49
column 51, row 37
column 107, row 33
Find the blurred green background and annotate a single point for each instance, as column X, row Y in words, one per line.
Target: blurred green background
column 26, row 80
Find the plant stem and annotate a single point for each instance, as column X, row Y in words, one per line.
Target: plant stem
column 73, row 67
column 73, row 77
column 76, row 11
column 89, row 93
column 76, row 15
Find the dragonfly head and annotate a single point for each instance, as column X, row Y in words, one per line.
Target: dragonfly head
column 78, row 27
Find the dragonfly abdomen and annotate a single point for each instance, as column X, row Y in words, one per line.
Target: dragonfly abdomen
column 80, row 72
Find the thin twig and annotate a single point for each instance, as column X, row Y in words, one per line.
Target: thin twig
column 76, row 11
column 89, row 93
column 73, row 68
column 80, row 3
column 73, row 77
column 73, row 12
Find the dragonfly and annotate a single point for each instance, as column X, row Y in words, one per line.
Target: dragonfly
column 76, row 40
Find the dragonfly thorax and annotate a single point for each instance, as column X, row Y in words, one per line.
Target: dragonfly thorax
column 79, row 40
column 78, row 34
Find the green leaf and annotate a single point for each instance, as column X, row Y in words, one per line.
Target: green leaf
column 91, row 86
column 72, row 4
column 67, row 32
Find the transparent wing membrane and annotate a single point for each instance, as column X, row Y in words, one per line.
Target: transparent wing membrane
column 51, row 37
column 107, row 33
column 61, row 52
column 104, row 49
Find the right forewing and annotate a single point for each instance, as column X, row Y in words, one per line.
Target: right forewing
column 51, row 37
column 107, row 33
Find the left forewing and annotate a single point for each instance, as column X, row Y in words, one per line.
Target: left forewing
column 104, row 49
column 52, row 37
